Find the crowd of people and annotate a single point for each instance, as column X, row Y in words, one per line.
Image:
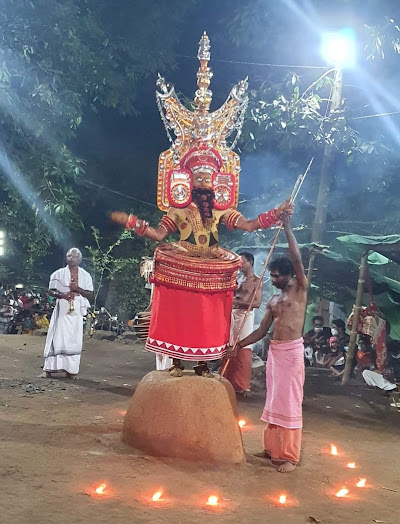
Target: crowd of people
column 327, row 348
column 23, row 312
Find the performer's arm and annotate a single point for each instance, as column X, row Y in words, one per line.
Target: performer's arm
column 142, row 228
column 84, row 292
column 294, row 253
column 235, row 220
column 57, row 294
column 257, row 334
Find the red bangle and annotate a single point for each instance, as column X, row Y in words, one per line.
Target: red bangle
column 266, row 220
column 131, row 222
column 168, row 224
column 141, row 229
column 233, row 219
column 139, row 226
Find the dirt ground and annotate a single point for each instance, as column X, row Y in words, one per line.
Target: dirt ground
column 60, row 439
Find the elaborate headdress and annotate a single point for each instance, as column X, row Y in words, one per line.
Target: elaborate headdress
column 200, row 141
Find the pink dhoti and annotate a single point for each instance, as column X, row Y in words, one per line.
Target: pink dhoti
column 283, row 406
column 238, row 371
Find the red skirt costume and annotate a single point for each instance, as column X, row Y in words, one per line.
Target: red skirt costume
column 192, row 303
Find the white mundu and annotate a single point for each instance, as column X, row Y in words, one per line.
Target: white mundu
column 65, row 336
column 163, row 362
column 377, row 380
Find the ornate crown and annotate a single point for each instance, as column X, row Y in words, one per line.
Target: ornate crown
column 200, row 130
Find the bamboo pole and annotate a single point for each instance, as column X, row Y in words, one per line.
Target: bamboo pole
column 325, row 181
column 354, row 328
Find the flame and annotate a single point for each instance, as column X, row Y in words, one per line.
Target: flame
column 212, row 500
column 242, row 423
column 334, row 450
column 351, row 465
column 342, row 492
column 100, row 490
column 157, row 496
column 282, row 499
column 361, row 483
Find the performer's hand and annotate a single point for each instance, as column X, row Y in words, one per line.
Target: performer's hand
column 285, row 218
column 286, row 207
column 119, row 217
column 74, row 287
column 67, row 296
column 231, row 351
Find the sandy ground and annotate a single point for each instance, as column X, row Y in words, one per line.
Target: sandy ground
column 60, row 439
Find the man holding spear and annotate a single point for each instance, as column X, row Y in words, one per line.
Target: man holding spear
column 285, row 364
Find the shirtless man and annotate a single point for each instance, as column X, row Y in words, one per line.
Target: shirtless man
column 285, row 364
column 239, row 368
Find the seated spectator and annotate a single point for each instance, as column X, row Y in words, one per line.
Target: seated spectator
column 40, row 321
column 320, row 356
column 27, row 322
column 6, row 315
column 384, row 381
column 389, row 380
column 315, row 339
column 339, row 330
column 25, row 299
column 335, row 359
column 20, row 304
column 365, row 355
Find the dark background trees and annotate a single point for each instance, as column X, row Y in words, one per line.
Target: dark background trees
column 78, row 115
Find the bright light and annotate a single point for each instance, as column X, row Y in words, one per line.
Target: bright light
column 282, row 499
column 2, row 234
column 334, row 450
column 342, row 493
column 339, row 49
column 242, row 423
column 212, row 500
column 100, row 490
column 157, row 496
column 361, row 483
column 19, row 286
column 351, row 465
column 2, row 251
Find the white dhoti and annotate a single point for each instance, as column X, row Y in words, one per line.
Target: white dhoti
column 239, row 368
column 65, row 336
column 377, row 380
column 163, row 362
column 237, row 325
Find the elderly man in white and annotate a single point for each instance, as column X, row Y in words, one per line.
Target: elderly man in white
column 72, row 286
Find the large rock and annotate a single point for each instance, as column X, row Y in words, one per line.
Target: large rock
column 190, row 417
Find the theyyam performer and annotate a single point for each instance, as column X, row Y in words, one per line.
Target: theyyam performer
column 198, row 184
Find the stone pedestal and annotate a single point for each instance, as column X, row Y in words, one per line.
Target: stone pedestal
column 190, row 417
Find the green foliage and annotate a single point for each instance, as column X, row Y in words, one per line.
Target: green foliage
column 60, row 59
column 292, row 121
column 127, row 293
column 103, row 263
column 381, row 39
column 112, row 265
